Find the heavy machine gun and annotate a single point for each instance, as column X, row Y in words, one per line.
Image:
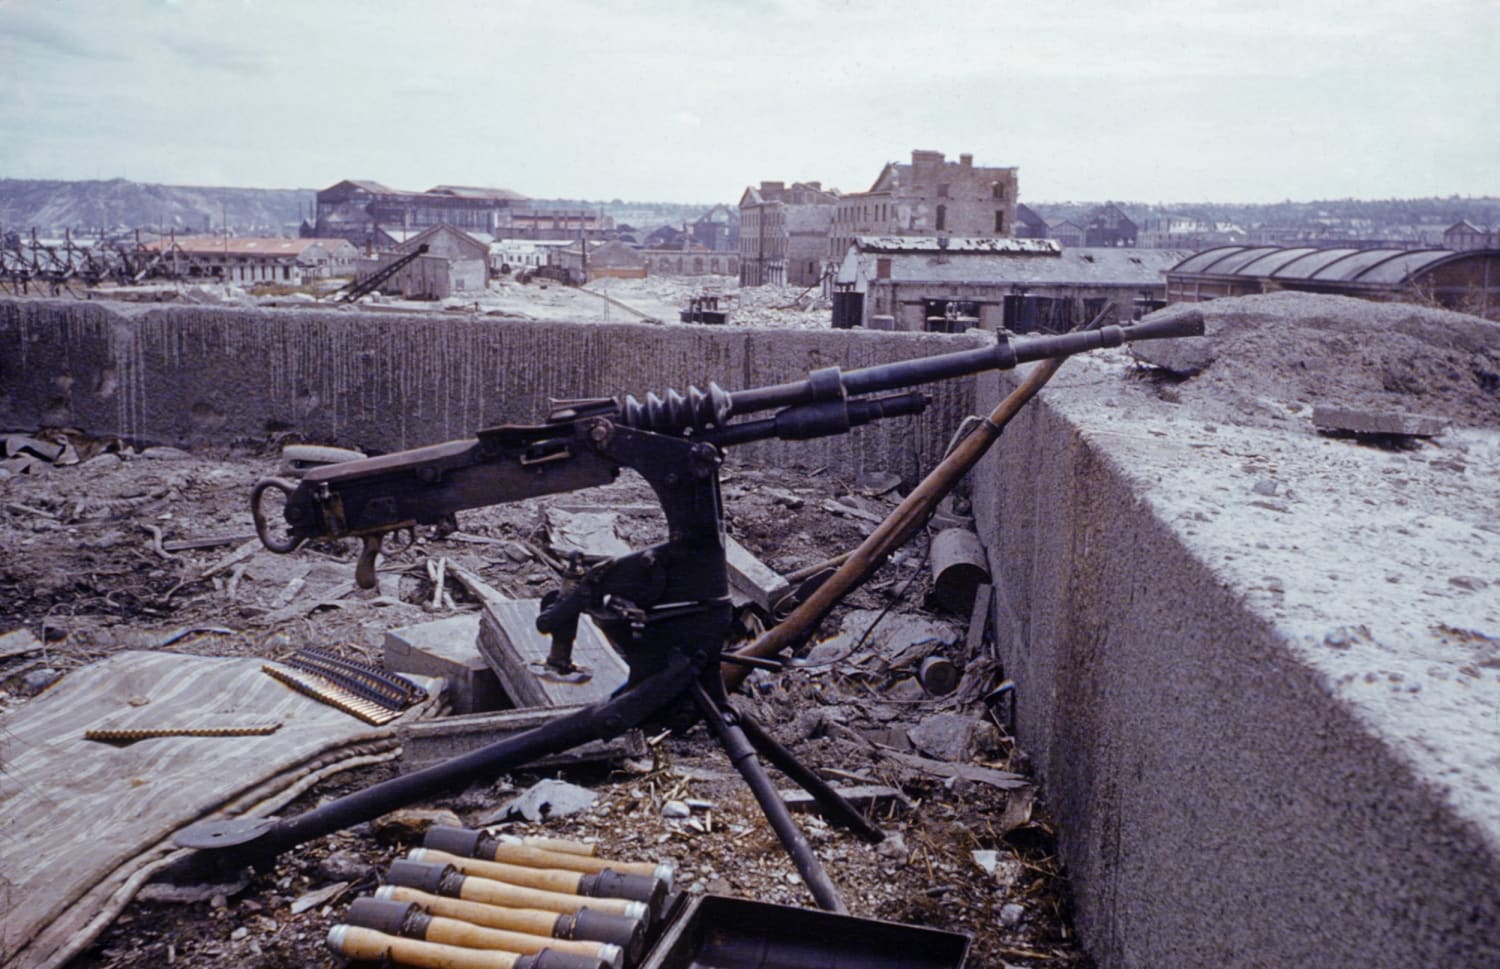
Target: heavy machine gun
column 666, row 609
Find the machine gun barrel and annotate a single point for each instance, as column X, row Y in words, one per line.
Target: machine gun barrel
column 698, row 411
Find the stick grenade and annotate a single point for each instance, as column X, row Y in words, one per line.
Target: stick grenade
column 898, row 528
column 565, row 845
column 586, row 924
column 469, row 843
column 358, row 942
column 600, row 884
column 445, row 879
column 411, row 921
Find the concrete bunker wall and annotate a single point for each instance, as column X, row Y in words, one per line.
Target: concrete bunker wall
column 1219, row 804
column 200, row 375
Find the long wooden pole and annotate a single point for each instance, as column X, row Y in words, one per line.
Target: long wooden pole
column 899, row 526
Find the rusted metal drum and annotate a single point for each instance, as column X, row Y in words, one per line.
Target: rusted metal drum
column 958, row 569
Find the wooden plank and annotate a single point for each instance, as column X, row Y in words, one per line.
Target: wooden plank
column 208, row 541
column 864, row 796
column 517, row 652
column 979, row 620
column 751, row 577
column 18, row 642
column 433, row 741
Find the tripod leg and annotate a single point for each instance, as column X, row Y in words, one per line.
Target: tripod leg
column 725, row 724
column 834, row 806
column 261, row 838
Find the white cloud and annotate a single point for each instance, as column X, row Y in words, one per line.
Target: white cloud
column 693, row 100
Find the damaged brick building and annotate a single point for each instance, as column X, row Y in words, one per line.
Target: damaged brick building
column 929, row 197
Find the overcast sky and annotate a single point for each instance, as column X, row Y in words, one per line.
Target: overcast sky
column 691, row 101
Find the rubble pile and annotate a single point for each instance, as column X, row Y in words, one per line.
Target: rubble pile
column 154, row 549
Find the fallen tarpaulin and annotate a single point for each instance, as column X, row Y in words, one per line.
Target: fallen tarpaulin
column 85, row 823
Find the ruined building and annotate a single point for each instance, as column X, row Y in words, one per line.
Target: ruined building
column 365, row 212
column 929, row 197
column 1020, row 285
column 784, row 233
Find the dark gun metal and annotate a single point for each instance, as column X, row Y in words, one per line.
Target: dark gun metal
column 665, row 608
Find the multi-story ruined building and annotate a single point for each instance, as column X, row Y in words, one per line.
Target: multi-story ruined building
column 929, row 197
column 353, row 209
column 360, row 210
column 784, row 233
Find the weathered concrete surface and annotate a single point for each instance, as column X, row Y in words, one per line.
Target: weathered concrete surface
column 188, row 375
column 1259, row 671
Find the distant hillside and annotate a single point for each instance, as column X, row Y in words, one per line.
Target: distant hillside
column 118, row 204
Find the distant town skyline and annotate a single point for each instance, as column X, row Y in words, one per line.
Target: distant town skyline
column 691, row 102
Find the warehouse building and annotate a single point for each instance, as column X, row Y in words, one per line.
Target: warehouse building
column 1019, row 285
column 1465, row 281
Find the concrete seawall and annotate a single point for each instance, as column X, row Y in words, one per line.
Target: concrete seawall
column 1268, row 727
column 200, row 375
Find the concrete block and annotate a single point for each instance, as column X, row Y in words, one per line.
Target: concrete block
column 1393, row 423
column 752, row 578
column 511, row 646
column 448, row 648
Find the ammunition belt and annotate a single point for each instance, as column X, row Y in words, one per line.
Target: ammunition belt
column 390, row 690
column 324, row 690
column 131, row 735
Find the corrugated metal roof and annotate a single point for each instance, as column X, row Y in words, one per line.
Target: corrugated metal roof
column 957, row 245
column 1105, row 267
column 1407, row 264
column 210, row 245
column 1375, row 267
column 1305, row 267
column 1234, row 262
column 371, row 186
column 1200, row 262
column 472, row 192
column 1275, row 259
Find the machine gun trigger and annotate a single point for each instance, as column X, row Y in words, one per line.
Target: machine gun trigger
column 262, row 523
column 364, row 572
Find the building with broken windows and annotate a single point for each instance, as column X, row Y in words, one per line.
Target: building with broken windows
column 556, row 224
column 455, row 262
column 929, row 197
column 353, row 209
column 367, row 212
column 690, row 262
column 1018, row 285
column 253, row 260
column 784, row 233
column 1465, row 281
